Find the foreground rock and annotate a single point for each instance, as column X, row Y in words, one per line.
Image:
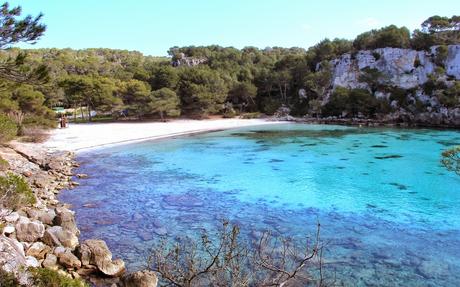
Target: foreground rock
column 144, row 278
column 45, row 234
column 95, row 252
column 29, row 231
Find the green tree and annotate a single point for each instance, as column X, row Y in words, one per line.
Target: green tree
column 390, row 36
column 202, row 91
column 13, row 31
column 164, row 77
column 136, row 97
column 165, row 102
column 243, row 95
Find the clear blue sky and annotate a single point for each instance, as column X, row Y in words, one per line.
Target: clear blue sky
column 152, row 26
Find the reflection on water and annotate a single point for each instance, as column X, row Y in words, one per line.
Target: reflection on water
column 389, row 211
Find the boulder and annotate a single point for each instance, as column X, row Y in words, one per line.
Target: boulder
column 29, row 231
column 57, row 236
column 12, row 217
column 66, row 219
column 50, row 262
column 47, row 217
column 38, row 250
column 95, row 252
column 8, row 229
column 145, row 278
column 12, row 256
column 69, row 260
column 32, row 262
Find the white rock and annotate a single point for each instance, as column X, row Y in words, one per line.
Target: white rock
column 12, row 217
column 8, row 229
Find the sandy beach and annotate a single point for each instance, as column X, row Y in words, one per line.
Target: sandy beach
column 81, row 137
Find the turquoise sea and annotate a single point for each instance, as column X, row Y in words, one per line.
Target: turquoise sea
column 388, row 209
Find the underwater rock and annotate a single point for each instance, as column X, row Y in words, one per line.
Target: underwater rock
column 183, row 200
column 160, row 231
column 431, row 269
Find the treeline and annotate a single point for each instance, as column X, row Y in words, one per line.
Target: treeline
column 201, row 81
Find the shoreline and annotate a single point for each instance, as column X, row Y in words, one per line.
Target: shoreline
column 85, row 137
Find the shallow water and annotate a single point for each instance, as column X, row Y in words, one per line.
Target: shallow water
column 388, row 209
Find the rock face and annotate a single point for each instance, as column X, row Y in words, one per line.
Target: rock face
column 38, row 250
column 95, row 252
column 66, row 219
column 408, row 71
column 57, row 236
column 143, row 278
column 13, row 259
column 69, row 260
column 453, row 61
column 29, row 231
column 402, row 68
column 183, row 60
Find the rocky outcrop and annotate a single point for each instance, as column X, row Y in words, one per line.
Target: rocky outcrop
column 45, row 234
column 29, row 231
column 183, row 60
column 423, row 76
column 402, row 68
column 96, row 252
column 140, row 279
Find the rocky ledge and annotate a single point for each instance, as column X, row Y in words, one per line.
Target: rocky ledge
column 45, row 234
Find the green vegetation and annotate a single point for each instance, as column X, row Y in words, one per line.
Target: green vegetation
column 4, row 165
column 451, row 159
column 15, row 192
column 8, row 129
column 7, row 279
column 43, row 277
column 105, row 84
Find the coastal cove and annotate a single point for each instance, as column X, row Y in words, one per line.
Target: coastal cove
column 385, row 204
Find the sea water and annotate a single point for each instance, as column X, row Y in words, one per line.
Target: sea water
column 388, row 209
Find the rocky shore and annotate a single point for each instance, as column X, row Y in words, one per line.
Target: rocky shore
column 45, row 234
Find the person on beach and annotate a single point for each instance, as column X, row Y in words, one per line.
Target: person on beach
column 60, row 121
column 64, row 121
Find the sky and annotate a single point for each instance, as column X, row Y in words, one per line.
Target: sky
column 153, row 26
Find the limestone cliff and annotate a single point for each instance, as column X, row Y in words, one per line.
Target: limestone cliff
column 408, row 70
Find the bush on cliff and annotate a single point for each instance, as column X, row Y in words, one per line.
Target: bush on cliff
column 49, row 278
column 15, row 192
column 4, row 165
column 7, row 279
column 8, row 129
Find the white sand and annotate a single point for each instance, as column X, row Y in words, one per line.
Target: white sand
column 81, row 137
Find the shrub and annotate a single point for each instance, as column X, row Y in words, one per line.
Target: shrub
column 34, row 134
column 228, row 259
column 255, row 115
column 376, row 55
column 4, row 165
column 49, row 278
column 8, row 129
column 7, row 279
column 337, row 102
column 441, row 55
column 15, row 192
